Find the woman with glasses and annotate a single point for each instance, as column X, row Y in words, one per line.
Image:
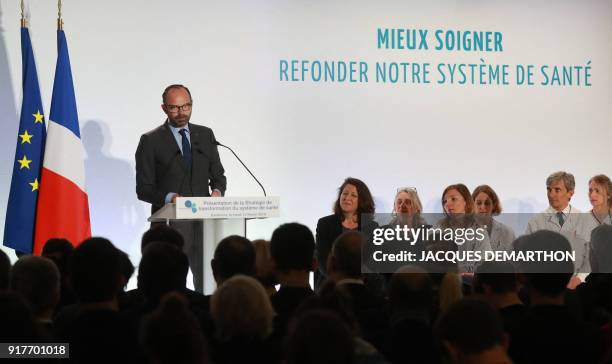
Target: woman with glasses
column 354, row 199
column 487, row 205
column 407, row 208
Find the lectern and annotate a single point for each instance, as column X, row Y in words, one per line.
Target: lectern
column 221, row 217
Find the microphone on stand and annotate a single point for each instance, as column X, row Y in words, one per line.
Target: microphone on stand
column 244, row 165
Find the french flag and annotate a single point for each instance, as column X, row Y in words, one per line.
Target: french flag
column 63, row 209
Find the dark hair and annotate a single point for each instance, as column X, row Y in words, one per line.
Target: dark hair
column 346, row 251
column 499, row 276
column 60, row 252
column 17, row 324
column 547, row 278
column 601, row 249
column 320, row 337
column 292, row 247
column 5, row 268
column 411, row 288
column 127, row 268
column 464, row 192
column 163, row 233
column 172, row 334
column 365, row 202
column 96, row 270
column 234, row 255
column 37, row 279
column 471, row 325
column 486, row 189
column 163, row 268
column 172, row 87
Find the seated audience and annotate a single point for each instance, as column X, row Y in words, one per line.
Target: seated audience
column 471, row 332
column 549, row 332
column 320, row 337
column 97, row 333
column 171, row 334
column 243, row 319
column 37, row 279
column 60, row 252
column 292, row 248
column 497, row 283
column 411, row 301
column 344, row 268
column 264, row 271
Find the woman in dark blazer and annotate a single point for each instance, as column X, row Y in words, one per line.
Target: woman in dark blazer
column 354, row 199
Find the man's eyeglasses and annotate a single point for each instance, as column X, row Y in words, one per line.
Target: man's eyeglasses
column 176, row 108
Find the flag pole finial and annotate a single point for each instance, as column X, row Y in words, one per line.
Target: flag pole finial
column 23, row 19
column 60, row 21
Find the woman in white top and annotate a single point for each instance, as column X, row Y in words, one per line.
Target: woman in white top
column 487, row 205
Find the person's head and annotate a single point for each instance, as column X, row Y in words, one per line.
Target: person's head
column 354, row 197
column 163, row 268
column 163, row 233
column 5, row 268
column 60, row 252
column 548, row 278
column 411, row 288
column 37, row 279
column 320, row 337
column 495, row 278
column 234, row 255
column 240, row 307
column 17, row 323
column 292, row 248
column 96, row 271
column 560, row 189
column 456, row 199
column 177, row 105
column 470, row 328
column 601, row 249
column 345, row 257
column 264, row 270
column 172, row 334
column 407, row 201
column 127, row 268
column 600, row 191
column 486, row 201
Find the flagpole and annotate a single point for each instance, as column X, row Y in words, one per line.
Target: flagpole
column 24, row 24
column 60, row 22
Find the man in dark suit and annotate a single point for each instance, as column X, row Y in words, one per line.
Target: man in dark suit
column 180, row 159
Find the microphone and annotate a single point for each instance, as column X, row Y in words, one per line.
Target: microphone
column 244, row 165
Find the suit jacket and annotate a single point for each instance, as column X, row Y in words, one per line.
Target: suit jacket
column 160, row 168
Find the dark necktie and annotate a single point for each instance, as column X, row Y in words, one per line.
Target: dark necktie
column 186, row 147
column 560, row 218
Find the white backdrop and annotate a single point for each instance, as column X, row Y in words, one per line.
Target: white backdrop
column 303, row 138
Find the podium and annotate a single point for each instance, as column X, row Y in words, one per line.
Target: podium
column 221, row 217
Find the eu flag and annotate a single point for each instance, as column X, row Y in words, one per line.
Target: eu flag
column 21, row 209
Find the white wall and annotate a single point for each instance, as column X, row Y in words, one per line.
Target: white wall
column 303, row 138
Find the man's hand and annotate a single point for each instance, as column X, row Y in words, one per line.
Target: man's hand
column 174, row 197
column 216, row 193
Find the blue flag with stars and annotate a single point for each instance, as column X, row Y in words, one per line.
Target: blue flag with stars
column 21, row 209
